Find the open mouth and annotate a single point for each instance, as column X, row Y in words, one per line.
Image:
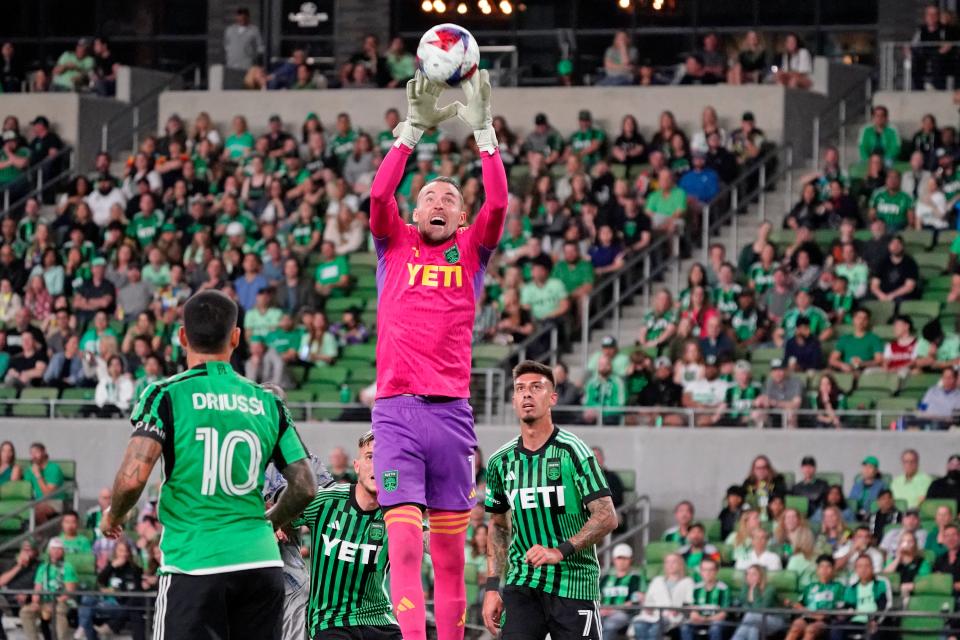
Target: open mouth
column 528, row 406
column 438, row 221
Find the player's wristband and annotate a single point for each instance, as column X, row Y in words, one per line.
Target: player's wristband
column 407, row 134
column 566, row 549
column 492, row 584
column 486, row 140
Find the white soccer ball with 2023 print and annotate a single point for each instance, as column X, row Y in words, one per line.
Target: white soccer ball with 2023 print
column 448, row 53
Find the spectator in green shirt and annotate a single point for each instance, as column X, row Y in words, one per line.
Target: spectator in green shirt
column 587, row 141
column 14, row 159
column 56, row 574
column 385, row 138
column 708, row 595
column 263, row 318
column 879, row 137
column 619, row 360
column 400, row 63
column 604, row 389
column 858, row 350
column 73, row 542
column 910, row 486
column 286, row 339
column 575, row 273
column 73, row 68
column 546, row 297
column 892, row 205
column 239, row 144
column 667, row 205
column 45, row 477
column 333, row 273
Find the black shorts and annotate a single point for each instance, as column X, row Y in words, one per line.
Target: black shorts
column 221, row 606
column 532, row 614
column 386, row 632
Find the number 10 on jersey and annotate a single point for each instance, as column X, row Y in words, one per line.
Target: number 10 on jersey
column 219, row 458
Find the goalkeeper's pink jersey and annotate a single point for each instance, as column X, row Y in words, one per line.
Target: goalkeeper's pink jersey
column 427, row 294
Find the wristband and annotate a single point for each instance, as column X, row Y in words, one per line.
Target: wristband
column 566, row 549
column 486, row 140
column 492, row 584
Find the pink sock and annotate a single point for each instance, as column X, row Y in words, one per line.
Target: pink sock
column 405, row 549
column 448, row 535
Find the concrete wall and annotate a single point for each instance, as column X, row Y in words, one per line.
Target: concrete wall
column 135, row 82
column 518, row 105
column 60, row 108
column 672, row 464
column 906, row 109
column 94, row 112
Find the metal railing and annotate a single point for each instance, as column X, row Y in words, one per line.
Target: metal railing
column 897, row 64
column 636, row 515
column 751, row 185
column 124, row 131
column 68, row 491
column 830, row 125
column 39, row 180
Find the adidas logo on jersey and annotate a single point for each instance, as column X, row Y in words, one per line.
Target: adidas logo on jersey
column 335, row 525
column 511, row 476
column 228, row 402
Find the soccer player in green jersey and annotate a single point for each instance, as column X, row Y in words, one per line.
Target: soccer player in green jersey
column 348, row 598
column 818, row 600
column 560, row 507
column 220, row 573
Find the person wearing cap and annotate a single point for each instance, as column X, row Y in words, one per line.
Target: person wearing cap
column 73, row 69
column 809, row 486
column 733, row 508
column 879, row 137
column 604, row 389
column 53, row 575
column 739, row 404
column 783, row 394
column 619, row 360
column 619, row 586
column 701, row 182
column 747, row 141
column 947, row 486
column 544, row 140
column 911, row 485
column 659, row 323
column 662, row 391
column 705, row 396
column 588, row 141
column 14, row 159
column 135, row 295
column 867, row 485
column 45, row 143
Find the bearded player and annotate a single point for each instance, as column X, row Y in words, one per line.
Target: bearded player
column 429, row 277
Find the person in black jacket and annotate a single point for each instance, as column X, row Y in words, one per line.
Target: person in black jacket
column 121, row 575
column 662, row 391
column 810, row 487
column 763, row 483
column 949, row 485
column 18, row 576
column 730, row 514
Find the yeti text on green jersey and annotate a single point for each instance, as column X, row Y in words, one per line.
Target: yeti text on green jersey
column 218, row 431
column 547, row 492
column 348, row 562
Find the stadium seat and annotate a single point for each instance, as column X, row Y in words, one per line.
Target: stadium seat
column 800, row 503
column 489, row 355
column 35, row 409
column 334, row 307
column 733, row 578
column 783, row 581
column 16, row 490
column 363, row 259
column 863, row 400
column 328, row 375
column 917, row 628
column 895, row 407
column 880, row 310
column 917, row 240
column 830, row 477
column 9, row 523
column 658, row 550
column 845, row 381
column 83, row 396
column 726, row 552
column 879, row 381
column 765, row 354
column 934, row 584
column 652, row 570
column 712, row 528
column 359, row 353
column 946, row 237
column 628, row 477
column 330, row 395
column 884, row 332
column 932, row 263
column 298, row 396
column 928, row 508
column 920, row 311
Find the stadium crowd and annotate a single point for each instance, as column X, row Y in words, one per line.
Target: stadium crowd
column 88, row 67
column 92, row 287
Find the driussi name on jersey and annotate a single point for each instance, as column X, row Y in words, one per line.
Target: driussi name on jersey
column 228, row 402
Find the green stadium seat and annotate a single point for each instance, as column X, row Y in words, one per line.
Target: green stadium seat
column 712, row 528
column 336, row 306
column 800, row 503
column 10, row 523
column 825, row 237
column 658, row 550
column 896, row 407
column 363, row 375
column 845, row 381
column 920, row 381
column 781, row 238
column 72, row 409
column 765, row 354
column 928, row 508
column 934, row 584
column 879, row 381
column 939, row 283
column 638, row 169
column 920, row 311
column 363, row 259
column 922, row 627
column 652, row 570
column 884, row 332
column 328, row 375
column 726, row 553
column 35, row 409
column 729, row 576
column 16, row 490
column 298, row 396
column 830, row 477
column 932, row 263
column 364, row 353
column 783, row 581
column 789, row 477
column 880, row 310
column 618, row 170
column 489, row 355
column 917, row 240
column 628, row 477
column 327, row 395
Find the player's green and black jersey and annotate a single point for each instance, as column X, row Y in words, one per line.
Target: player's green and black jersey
column 614, row 590
column 818, row 596
column 348, row 562
column 708, row 600
column 218, row 430
column 547, row 492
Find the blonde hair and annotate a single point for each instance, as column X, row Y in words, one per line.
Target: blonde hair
column 803, row 542
column 743, row 535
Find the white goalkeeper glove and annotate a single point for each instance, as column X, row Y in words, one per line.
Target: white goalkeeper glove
column 422, row 111
column 477, row 112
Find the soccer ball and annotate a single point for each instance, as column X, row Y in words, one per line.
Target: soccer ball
column 448, row 53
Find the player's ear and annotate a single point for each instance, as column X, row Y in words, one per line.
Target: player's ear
column 234, row 338
column 553, row 398
column 463, row 219
column 182, row 335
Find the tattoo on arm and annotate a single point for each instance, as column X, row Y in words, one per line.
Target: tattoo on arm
column 498, row 540
column 138, row 462
column 301, row 487
column 603, row 520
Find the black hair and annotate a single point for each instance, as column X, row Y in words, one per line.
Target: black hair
column 532, row 366
column 696, row 525
column 885, row 492
column 208, row 318
column 71, row 512
column 826, row 557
